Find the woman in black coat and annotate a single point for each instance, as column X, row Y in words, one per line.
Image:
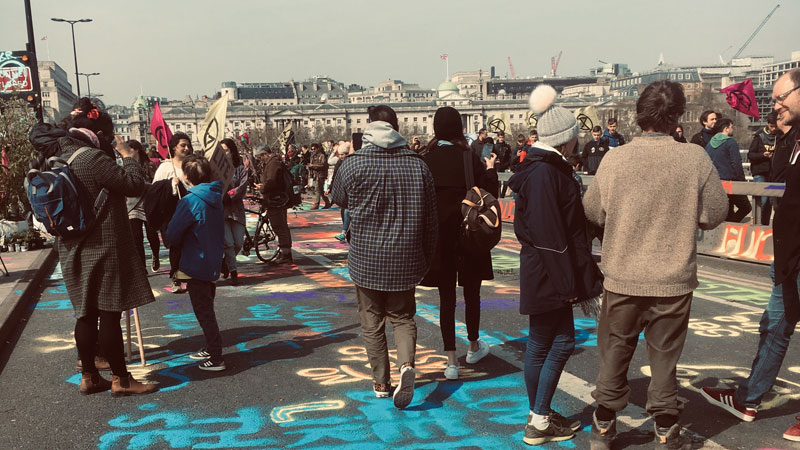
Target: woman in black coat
column 453, row 263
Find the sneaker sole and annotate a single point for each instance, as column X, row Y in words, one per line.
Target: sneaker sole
column 199, row 358
column 545, row 439
column 404, row 393
column 212, row 368
column 792, row 438
column 736, row 413
column 382, row 394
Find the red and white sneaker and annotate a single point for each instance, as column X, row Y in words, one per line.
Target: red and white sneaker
column 724, row 398
column 793, row 433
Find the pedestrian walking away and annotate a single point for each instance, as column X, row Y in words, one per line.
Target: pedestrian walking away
column 455, row 264
column 645, row 288
column 386, row 183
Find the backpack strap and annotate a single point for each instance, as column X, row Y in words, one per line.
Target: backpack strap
column 469, row 176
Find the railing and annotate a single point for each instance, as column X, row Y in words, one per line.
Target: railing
column 741, row 241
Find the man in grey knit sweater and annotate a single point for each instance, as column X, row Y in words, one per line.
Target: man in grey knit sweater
column 649, row 250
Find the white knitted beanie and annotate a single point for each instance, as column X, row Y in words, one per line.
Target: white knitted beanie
column 556, row 125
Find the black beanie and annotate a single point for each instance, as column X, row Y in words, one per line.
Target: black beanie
column 447, row 124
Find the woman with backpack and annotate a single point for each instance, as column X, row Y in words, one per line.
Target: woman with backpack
column 233, row 201
column 100, row 267
column 453, row 264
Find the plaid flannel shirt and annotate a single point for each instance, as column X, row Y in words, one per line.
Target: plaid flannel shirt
column 393, row 218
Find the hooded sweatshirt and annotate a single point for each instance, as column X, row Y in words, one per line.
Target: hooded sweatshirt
column 198, row 228
column 762, row 142
column 724, row 153
column 381, row 134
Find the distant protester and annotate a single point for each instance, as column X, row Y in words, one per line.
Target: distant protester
column 724, row 153
column 233, row 201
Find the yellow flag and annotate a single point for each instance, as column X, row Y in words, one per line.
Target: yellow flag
column 497, row 123
column 286, row 137
column 587, row 118
column 212, row 130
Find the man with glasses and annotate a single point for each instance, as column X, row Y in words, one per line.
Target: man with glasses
column 783, row 310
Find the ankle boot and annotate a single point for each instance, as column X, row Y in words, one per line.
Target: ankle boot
column 126, row 385
column 92, row 383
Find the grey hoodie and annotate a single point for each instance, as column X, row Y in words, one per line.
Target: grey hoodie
column 381, row 134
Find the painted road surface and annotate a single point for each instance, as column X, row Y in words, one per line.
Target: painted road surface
column 298, row 375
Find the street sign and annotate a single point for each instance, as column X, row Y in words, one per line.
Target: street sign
column 15, row 72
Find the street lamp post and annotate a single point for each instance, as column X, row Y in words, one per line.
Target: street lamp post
column 74, row 50
column 89, row 86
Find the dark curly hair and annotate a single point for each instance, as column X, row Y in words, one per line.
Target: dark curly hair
column 660, row 106
column 86, row 114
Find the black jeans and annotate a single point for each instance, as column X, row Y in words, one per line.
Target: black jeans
column 109, row 336
column 279, row 222
column 152, row 238
column 202, row 294
column 447, row 312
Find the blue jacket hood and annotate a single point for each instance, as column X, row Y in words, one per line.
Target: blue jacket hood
column 210, row 193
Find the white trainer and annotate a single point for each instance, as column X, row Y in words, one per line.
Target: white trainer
column 479, row 354
column 451, row 372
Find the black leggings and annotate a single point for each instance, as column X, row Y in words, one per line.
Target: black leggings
column 447, row 312
column 152, row 238
column 109, row 337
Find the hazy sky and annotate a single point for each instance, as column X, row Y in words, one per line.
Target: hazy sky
column 171, row 48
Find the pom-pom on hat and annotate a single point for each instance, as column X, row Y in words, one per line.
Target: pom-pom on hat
column 556, row 125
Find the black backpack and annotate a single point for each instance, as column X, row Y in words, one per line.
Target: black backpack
column 291, row 195
column 481, row 226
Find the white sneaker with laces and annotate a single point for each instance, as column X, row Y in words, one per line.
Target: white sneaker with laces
column 479, row 354
column 404, row 392
column 451, row 372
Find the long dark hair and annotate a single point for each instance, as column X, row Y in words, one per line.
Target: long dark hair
column 86, row 114
column 237, row 160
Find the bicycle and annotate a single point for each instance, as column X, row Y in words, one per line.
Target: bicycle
column 264, row 240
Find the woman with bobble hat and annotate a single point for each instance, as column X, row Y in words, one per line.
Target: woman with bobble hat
column 453, row 264
column 556, row 266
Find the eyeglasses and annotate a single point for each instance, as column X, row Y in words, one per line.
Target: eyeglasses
column 782, row 98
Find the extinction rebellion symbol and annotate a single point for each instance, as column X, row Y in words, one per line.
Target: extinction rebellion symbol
column 497, row 125
column 585, row 122
column 211, row 134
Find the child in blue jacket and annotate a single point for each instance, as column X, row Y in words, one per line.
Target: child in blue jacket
column 197, row 227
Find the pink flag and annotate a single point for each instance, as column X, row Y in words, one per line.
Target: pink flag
column 161, row 132
column 742, row 97
column 444, row 56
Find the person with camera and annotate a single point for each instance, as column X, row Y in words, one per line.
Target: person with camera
column 274, row 198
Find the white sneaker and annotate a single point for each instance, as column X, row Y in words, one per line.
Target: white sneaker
column 404, row 392
column 483, row 350
column 451, row 372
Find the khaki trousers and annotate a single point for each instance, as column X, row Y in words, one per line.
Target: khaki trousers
column 374, row 307
column 665, row 322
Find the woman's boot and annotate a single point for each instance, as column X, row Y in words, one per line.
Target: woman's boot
column 126, row 385
column 92, row 383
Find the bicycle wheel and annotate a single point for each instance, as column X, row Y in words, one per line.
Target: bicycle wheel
column 265, row 241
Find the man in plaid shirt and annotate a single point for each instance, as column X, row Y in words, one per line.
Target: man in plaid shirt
column 391, row 197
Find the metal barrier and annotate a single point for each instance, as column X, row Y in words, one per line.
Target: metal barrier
column 740, row 241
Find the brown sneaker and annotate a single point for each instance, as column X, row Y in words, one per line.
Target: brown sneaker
column 382, row 390
column 100, row 363
column 92, row 383
column 126, row 385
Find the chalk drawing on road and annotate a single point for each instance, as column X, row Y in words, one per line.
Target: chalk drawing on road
column 285, row 414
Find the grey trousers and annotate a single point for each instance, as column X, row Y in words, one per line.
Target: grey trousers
column 665, row 322
column 374, row 307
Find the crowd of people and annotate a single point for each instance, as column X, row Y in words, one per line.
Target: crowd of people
column 400, row 206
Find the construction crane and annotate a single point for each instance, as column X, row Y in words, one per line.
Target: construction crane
column 511, row 68
column 763, row 22
column 554, row 63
